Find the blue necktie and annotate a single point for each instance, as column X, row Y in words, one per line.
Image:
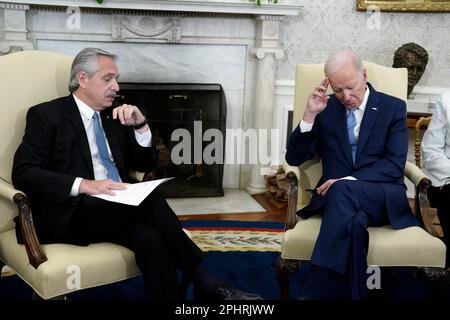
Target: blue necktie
column 351, row 123
column 111, row 169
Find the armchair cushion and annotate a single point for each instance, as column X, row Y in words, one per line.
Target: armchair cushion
column 413, row 246
column 100, row 263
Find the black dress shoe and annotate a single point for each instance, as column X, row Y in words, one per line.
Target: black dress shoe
column 225, row 292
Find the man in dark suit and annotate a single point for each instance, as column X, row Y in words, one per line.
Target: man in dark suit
column 361, row 136
column 78, row 146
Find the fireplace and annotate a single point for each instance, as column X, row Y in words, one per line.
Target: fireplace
column 231, row 42
column 191, row 110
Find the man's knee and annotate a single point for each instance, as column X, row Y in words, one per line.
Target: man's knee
column 145, row 237
column 360, row 220
column 340, row 189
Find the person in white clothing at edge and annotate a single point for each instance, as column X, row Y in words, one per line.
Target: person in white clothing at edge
column 436, row 163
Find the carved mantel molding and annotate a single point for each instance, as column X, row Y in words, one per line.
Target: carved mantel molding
column 14, row 29
column 282, row 8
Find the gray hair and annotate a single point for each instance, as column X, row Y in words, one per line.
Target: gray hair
column 87, row 61
column 337, row 61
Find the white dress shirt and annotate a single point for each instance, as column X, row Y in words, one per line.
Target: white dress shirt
column 100, row 172
column 436, row 144
column 359, row 113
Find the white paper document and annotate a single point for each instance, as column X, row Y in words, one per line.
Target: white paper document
column 134, row 194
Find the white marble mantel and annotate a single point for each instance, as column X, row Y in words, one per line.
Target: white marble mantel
column 231, row 42
column 282, row 8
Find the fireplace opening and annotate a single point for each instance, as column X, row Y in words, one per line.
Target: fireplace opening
column 192, row 107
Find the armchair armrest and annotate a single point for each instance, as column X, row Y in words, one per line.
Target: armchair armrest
column 421, row 203
column 36, row 255
column 414, row 173
column 294, row 170
column 293, row 176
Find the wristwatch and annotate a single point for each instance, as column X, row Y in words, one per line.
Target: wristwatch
column 140, row 125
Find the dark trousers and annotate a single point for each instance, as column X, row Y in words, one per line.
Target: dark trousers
column 151, row 230
column 340, row 252
column 439, row 198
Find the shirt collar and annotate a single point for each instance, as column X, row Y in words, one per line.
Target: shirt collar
column 363, row 104
column 84, row 109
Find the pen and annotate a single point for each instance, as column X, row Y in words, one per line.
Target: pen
column 310, row 190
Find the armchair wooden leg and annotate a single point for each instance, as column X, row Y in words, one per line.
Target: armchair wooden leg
column 284, row 269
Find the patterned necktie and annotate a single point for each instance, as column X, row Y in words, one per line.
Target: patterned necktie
column 111, row 169
column 351, row 123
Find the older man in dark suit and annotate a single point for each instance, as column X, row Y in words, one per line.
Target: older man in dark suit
column 361, row 136
column 78, row 146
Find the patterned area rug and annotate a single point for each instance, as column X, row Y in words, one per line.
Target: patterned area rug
column 236, row 235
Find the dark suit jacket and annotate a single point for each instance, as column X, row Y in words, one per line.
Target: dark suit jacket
column 55, row 151
column 380, row 156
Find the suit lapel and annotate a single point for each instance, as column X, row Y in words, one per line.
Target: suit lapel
column 373, row 107
column 111, row 133
column 77, row 122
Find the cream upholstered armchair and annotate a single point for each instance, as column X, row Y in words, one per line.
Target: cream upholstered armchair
column 387, row 247
column 28, row 78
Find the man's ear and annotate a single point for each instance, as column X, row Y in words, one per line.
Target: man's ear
column 82, row 78
column 364, row 72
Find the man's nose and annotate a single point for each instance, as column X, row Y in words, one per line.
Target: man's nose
column 115, row 85
column 347, row 95
column 413, row 71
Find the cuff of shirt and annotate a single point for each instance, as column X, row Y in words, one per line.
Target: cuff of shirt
column 75, row 187
column 305, row 126
column 348, row 178
column 144, row 139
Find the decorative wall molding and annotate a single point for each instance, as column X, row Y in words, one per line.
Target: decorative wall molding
column 282, row 8
column 146, row 27
column 429, row 94
column 14, row 28
column 261, row 53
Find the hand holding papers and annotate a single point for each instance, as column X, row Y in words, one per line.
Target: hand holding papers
column 134, row 194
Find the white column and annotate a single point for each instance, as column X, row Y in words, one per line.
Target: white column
column 14, row 29
column 267, row 52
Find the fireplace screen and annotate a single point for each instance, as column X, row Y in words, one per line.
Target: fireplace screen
column 185, row 111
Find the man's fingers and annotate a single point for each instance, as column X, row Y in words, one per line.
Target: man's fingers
column 325, row 99
column 127, row 114
column 322, row 190
column 109, row 192
column 113, row 185
column 325, row 83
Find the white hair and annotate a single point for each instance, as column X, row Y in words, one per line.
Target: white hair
column 87, row 61
column 339, row 59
